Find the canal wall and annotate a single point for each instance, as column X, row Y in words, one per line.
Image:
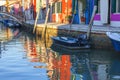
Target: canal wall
column 98, row 38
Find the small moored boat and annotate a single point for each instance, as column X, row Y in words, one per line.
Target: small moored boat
column 72, row 43
column 115, row 39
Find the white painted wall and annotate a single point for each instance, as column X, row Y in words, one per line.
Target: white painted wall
column 97, row 23
column 80, row 9
column 104, row 11
column 115, row 23
column 57, row 20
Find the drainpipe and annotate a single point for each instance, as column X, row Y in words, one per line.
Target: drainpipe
column 109, row 2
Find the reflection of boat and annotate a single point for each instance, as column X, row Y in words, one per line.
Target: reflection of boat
column 61, row 50
column 115, row 39
column 72, row 43
column 10, row 23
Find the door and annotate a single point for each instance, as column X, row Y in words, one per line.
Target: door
column 81, row 8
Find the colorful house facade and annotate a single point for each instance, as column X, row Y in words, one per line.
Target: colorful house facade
column 61, row 10
column 80, row 9
column 108, row 13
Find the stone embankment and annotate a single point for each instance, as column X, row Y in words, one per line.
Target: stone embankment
column 98, row 38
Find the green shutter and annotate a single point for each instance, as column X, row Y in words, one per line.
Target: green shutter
column 59, row 7
column 113, row 8
column 119, row 6
column 73, row 6
column 96, row 2
column 53, row 8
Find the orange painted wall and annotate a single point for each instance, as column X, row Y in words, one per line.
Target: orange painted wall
column 66, row 10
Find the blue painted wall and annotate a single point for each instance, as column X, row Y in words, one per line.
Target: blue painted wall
column 87, row 13
column 89, row 10
column 75, row 12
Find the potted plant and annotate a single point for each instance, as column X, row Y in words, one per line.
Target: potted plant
column 68, row 18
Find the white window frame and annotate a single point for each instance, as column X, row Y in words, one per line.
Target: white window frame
column 55, row 8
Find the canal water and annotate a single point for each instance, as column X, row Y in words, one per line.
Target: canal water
column 26, row 57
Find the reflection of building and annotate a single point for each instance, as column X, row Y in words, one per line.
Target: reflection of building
column 100, row 72
column 100, row 66
column 30, row 47
column 0, row 49
column 6, row 34
column 58, row 66
column 36, row 52
column 65, row 73
column 79, row 67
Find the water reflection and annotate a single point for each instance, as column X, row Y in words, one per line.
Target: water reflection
column 0, row 49
column 6, row 36
column 26, row 57
column 114, row 71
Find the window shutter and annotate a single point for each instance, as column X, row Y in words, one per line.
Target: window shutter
column 59, row 7
column 53, row 8
column 119, row 6
column 113, row 8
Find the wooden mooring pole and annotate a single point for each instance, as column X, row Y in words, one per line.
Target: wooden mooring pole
column 35, row 24
column 7, row 3
column 46, row 20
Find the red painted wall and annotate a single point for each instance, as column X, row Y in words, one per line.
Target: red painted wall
column 66, row 10
column 34, row 9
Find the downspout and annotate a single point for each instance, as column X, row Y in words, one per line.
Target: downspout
column 109, row 3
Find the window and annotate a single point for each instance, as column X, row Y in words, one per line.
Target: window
column 59, row 10
column 98, row 7
column 53, row 8
column 57, row 7
column 115, row 6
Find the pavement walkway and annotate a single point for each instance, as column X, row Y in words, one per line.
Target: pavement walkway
column 77, row 27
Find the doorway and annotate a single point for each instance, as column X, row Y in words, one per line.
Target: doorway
column 81, row 8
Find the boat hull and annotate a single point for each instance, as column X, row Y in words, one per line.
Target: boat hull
column 69, row 43
column 116, row 45
column 115, row 39
column 61, row 41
